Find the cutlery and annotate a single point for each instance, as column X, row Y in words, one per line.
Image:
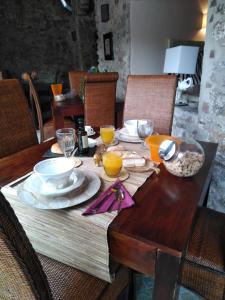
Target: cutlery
column 102, row 201
column 114, row 200
column 120, row 200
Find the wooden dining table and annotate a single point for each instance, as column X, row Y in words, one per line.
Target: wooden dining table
column 75, row 107
column 151, row 236
column 69, row 107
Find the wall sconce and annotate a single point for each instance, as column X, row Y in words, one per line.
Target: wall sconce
column 204, row 21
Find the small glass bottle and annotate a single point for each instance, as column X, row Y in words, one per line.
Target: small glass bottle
column 82, row 138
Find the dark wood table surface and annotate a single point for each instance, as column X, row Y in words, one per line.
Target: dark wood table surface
column 75, row 107
column 151, row 236
column 69, row 107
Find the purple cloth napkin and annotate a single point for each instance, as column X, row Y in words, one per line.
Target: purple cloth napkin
column 107, row 200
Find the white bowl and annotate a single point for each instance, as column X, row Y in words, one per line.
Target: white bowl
column 131, row 126
column 55, row 172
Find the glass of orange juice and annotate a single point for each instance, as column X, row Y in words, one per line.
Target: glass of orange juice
column 107, row 133
column 56, row 89
column 112, row 164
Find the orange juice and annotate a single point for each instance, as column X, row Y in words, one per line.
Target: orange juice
column 107, row 134
column 56, row 89
column 154, row 142
column 112, row 164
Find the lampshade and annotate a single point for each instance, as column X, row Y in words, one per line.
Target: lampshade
column 181, row 60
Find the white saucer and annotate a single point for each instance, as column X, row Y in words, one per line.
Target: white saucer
column 35, row 185
column 91, row 134
column 124, row 131
column 76, row 197
column 124, row 136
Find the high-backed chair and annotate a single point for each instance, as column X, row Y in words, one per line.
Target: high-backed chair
column 17, row 130
column 203, row 266
column 151, row 97
column 47, row 129
column 100, row 98
column 24, row 276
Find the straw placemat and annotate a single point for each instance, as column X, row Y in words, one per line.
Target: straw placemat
column 66, row 235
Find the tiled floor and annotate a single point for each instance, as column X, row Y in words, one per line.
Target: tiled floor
column 144, row 288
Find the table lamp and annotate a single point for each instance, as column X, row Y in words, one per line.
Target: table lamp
column 181, row 60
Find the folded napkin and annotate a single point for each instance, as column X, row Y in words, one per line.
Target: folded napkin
column 107, row 201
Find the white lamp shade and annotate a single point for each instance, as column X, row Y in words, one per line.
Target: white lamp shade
column 181, row 60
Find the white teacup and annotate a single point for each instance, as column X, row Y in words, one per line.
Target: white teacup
column 131, row 126
column 89, row 129
column 55, row 172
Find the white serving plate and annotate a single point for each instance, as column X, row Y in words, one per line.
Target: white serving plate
column 34, row 184
column 85, row 192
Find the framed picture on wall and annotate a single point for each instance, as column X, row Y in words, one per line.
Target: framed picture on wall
column 108, row 46
column 105, row 12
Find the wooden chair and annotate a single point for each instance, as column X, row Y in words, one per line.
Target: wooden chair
column 100, row 98
column 47, row 129
column 16, row 123
column 76, row 79
column 24, row 275
column 151, row 97
column 203, row 266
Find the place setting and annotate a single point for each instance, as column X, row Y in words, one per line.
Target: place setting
column 135, row 131
column 56, row 184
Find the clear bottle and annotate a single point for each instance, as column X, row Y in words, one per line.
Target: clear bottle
column 182, row 157
column 82, row 138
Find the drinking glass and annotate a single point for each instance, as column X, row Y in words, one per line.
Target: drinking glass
column 107, row 133
column 66, row 140
column 56, row 89
column 144, row 129
column 112, row 164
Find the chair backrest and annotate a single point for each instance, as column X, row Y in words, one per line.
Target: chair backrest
column 100, row 98
column 22, row 276
column 16, row 123
column 76, row 79
column 151, row 97
column 34, row 98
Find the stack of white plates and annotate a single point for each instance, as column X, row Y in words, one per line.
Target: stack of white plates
column 34, row 192
column 124, row 136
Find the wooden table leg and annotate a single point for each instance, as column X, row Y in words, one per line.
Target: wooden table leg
column 166, row 275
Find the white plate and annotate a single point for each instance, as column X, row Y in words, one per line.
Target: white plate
column 124, row 131
column 124, row 136
column 76, row 197
column 35, row 185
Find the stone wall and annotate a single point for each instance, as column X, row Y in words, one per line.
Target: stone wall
column 42, row 35
column 212, row 98
column 119, row 25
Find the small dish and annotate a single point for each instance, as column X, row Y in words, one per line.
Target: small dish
column 35, row 185
column 124, row 174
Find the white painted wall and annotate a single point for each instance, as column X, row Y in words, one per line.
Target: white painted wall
column 153, row 22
